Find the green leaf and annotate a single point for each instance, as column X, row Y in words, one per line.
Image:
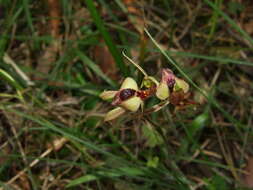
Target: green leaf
column 110, row 174
column 108, row 40
column 90, row 103
column 91, row 122
column 217, row 182
column 230, row 21
column 198, row 123
column 94, row 68
column 153, row 137
column 153, row 162
column 235, row 7
column 80, row 180
column 129, row 171
column 28, row 15
column 8, row 78
column 215, row 59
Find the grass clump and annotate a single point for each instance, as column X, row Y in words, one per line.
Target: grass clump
column 57, row 57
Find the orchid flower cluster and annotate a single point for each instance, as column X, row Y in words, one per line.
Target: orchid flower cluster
column 130, row 98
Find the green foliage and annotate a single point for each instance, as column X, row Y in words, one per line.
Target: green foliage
column 153, row 138
column 202, row 139
column 107, row 37
column 198, row 124
column 217, row 182
column 83, row 179
column 94, row 68
column 235, row 7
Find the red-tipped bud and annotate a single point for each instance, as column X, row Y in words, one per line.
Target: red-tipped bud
column 168, row 77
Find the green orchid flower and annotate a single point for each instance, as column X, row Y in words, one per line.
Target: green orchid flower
column 170, row 83
column 126, row 99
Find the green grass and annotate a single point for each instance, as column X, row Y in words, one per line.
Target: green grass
column 202, row 146
column 106, row 36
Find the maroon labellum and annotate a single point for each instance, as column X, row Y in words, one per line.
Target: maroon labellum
column 168, row 77
column 126, row 93
column 171, row 82
column 123, row 95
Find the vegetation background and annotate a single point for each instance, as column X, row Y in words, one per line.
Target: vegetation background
column 57, row 56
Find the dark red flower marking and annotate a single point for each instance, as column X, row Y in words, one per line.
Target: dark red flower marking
column 169, row 78
column 123, row 95
column 126, row 94
column 144, row 94
column 171, row 82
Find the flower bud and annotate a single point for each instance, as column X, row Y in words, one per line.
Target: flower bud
column 113, row 114
column 168, row 77
column 167, row 83
column 181, row 84
column 149, row 81
column 162, row 91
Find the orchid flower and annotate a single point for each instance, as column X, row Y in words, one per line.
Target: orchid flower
column 130, row 98
column 170, row 83
column 126, row 98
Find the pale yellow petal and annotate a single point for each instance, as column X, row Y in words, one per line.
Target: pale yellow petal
column 106, row 95
column 132, row 104
column 129, row 83
column 181, row 84
column 162, row 91
column 113, row 114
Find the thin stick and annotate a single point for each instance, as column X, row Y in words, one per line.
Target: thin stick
column 136, row 65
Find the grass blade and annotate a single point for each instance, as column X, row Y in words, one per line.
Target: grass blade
column 208, row 96
column 108, row 40
column 230, row 21
column 211, row 58
column 28, row 15
column 94, row 68
column 83, row 179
